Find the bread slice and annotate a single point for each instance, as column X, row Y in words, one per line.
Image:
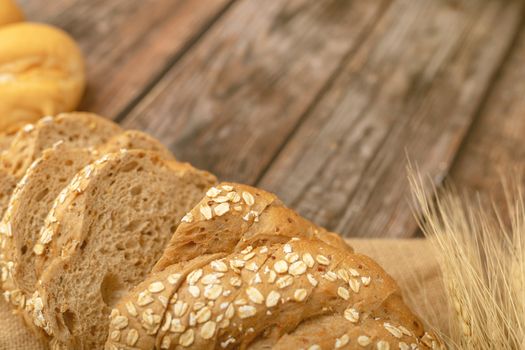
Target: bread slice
column 30, row 203
column 103, row 235
column 7, row 185
column 76, row 129
column 33, row 199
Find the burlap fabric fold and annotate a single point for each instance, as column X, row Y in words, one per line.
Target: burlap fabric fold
column 410, row 262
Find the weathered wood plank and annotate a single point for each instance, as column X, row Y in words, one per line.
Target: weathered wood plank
column 412, row 89
column 232, row 101
column 41, row 11
column 496, row 143
column 127, row 43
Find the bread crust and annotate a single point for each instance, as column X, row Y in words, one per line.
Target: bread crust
column 253, row 216
column 135, row 139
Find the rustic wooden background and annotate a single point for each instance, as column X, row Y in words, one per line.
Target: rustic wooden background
column 321, row 102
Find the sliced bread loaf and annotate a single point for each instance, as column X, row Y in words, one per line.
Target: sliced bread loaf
column 230, row 218
column 298, row 294
column 29, row 204
column 103, row 235
column 278, row 282
column 33, row 199
column 75, row 129
column 82, row 130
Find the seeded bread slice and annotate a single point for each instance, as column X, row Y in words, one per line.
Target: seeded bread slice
column 7, row 185
column 232, row 216
column 34, row 197
column 78, row 129
column 105, row 232
column 30, row 203
column 41, row 184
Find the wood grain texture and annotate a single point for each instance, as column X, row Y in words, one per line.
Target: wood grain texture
column 496, row 143
column 127, row 43
column 411, row 90
column 43, row 11
column 232, row 101
column 318, row 101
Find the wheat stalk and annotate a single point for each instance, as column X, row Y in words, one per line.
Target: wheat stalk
column 482, row 258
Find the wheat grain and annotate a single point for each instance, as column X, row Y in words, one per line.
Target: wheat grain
column 482, row 259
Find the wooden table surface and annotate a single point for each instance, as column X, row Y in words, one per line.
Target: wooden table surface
column 321, row 102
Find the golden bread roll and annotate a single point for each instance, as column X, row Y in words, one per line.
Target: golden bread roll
column 9, row 12
column 41, row 73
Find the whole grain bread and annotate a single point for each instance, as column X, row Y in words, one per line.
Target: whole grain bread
column 33, row 199
column 29, row 205
column 72, row 130
column 103, row 235
column 7, row 185
column 287, row 292
column 254, row 217
column 76, row 129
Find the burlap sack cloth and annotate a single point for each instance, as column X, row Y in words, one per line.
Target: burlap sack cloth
column 410, row 262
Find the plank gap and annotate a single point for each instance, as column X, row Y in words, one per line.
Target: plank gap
column 172, row 62
column 229, row 104
column 325, row 88
column 417, row 85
